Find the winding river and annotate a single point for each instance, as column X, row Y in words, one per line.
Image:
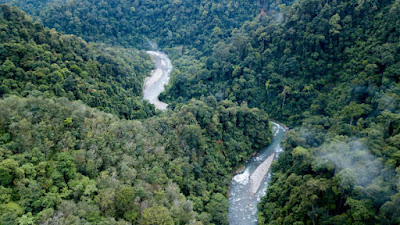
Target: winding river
column 154, row 84
column 248, row 187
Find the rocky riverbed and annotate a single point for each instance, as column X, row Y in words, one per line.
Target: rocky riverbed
column 155, row 83
column 248, row 187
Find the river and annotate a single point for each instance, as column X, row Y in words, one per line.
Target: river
column 154, row 84
column 248, row 187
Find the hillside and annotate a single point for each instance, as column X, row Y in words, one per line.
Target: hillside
column 136, row 23
column 62, row 161
column 40, row 61
column 66, row 162
column 327, row 69
column 330, row 70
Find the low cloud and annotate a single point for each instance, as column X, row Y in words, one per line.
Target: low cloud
column 352, row 162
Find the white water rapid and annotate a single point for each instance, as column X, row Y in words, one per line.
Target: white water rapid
column 248, row 187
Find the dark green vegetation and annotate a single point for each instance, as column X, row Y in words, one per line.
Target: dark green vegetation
column 331, row 70
column 64, row 162
column 40, row 61
column 32, row 7
column 328, row 68
column 196, row 23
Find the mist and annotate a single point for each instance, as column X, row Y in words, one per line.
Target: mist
column 352, row 160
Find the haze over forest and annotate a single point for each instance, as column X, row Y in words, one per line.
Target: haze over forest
column 79, row 143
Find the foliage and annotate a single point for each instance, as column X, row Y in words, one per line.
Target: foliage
column 134, row 23
column 100, row 169
column 328, row 68
column 38, row 61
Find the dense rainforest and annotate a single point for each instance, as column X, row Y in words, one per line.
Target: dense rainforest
column 328, row 69
column 37, row 60
column 62, row 161
column 134, row 23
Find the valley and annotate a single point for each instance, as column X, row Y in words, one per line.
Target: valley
column 99, row 126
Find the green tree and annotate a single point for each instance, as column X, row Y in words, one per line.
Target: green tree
column 66, row 166
column 126, row 205
column 157, row 215
column 217, row 207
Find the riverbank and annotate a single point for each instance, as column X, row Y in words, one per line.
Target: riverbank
column 249, row 186
column 281, row 124
column 259, row 174
column 242, row 166
column 155, row 83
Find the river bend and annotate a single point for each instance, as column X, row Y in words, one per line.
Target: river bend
column 248, row 187
column 155, row 83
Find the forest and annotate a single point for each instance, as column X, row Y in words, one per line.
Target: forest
column 40, row 61
column 79, row 146
column 64, row 161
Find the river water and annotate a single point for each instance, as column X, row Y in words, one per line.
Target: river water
column 248, row 187
column 154, row 84
column 242, row 202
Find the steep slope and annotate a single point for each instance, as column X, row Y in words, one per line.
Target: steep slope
column 166, row 22
column 330, row 69
column 31, row 7
column 64, row 162
column 283, row 60
column 61, row 161
column 39, row 61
